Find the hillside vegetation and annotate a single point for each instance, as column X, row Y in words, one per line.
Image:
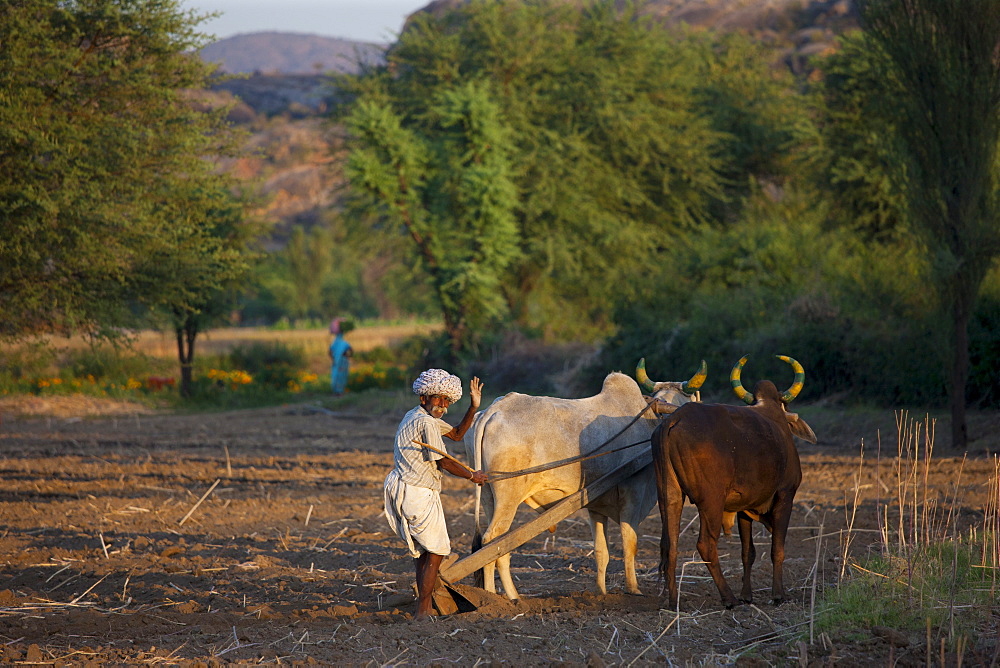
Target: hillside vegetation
column 670, row 180
column 285, row 85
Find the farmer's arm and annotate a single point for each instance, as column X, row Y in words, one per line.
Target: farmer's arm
column 475, row 396
column 456, row 469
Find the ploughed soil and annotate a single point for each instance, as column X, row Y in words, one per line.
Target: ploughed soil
column 258, row 537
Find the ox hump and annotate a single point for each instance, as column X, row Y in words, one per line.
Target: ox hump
column 620, row 384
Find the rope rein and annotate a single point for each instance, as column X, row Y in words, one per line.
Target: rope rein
column 494, row 476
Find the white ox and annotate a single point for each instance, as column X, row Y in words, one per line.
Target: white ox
column 518, row 431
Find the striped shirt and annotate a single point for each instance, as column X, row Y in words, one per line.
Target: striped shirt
column 416, row 465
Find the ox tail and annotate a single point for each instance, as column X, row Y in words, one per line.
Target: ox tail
column 478, row 430
column 478, row 426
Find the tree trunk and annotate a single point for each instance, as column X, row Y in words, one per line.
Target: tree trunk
column 959, row 375
column 186, row 335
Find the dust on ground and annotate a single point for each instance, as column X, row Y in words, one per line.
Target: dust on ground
column 258, row 537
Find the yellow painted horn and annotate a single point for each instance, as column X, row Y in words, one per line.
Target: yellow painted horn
column 734, row 380
column 641, row 377
column 797, row 382
column 697, row 380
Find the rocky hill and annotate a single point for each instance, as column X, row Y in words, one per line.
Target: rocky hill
column 291, row 53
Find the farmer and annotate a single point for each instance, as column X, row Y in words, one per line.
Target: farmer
column 413, row 486
column 340, row 354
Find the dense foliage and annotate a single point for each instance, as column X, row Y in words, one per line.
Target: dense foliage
column 682, row 194
column 603, row 148
column 531, row 172
column 106, row 162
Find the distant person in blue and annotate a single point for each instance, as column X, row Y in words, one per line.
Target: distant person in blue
column 340, row 354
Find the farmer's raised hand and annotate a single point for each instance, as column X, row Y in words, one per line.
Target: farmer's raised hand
column 475, row 391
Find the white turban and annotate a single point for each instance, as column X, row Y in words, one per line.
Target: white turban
column 440, row 382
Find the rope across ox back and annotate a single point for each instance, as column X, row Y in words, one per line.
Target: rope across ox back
column 504, row 475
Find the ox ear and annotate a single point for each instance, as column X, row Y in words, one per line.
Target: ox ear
column 800, row 428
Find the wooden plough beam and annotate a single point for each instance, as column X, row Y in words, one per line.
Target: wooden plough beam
column 516, row 537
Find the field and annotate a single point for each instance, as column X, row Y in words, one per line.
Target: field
column 258, row 537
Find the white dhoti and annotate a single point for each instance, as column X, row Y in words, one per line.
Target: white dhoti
column 416, row 515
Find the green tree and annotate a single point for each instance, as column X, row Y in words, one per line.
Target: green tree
column 448, row 185
column 857, row 144
column 321, row 274
column 198, row 267
column 945, row 56
column 609, row 155
column 762, row 119
column 98, row 131
column 309, row 258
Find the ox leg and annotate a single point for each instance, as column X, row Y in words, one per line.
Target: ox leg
column 781, row 514
column 670, row 500
column 630, row 543
column 708, row 547
column 635, row 507
column 598, row 526
column 748, row 554
column 503, row 517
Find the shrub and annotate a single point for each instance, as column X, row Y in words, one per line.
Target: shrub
column 378, row 355
column 984, row 353
column 376, row 376
column 29, row 359
column 271, row 364
column 108, row 362
column 523, row 364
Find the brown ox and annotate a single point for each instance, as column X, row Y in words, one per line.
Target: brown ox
column 738, row 459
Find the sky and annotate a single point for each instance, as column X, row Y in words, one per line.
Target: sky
column 358, row 20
